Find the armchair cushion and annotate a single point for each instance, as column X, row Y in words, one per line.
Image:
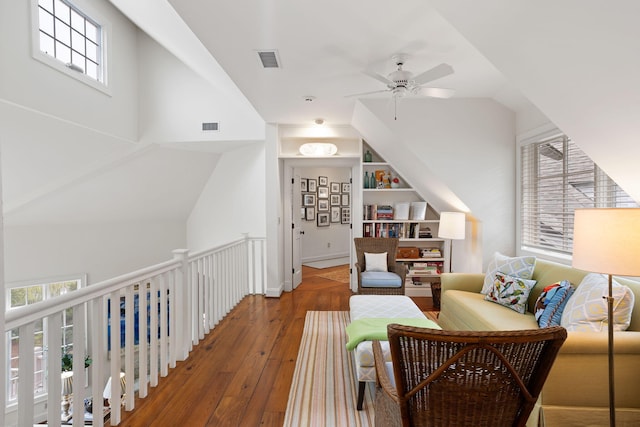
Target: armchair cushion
column 380, row 279
column 375, row 261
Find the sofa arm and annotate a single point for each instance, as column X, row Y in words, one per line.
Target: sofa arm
column 470, row 282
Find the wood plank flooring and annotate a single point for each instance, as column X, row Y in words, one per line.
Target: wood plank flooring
column 240, row 374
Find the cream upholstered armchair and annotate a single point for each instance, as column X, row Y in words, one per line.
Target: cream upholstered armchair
column 377, row 275
column 462, row 378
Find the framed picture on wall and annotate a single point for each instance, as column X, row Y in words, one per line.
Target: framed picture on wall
column 335, row 187
column 335, row 200
column 345, row 200
column 308, row 199
column 335, row 214
column 346, row 215
column 303, row 185
column 323, row 219
column 346, row 187
column 323, row 204
column 312, row 184
column 303, row 213
column 323, row 181
column 310, row 214
column 323, row 192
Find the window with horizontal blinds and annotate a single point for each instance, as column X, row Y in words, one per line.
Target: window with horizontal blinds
column 557, row 178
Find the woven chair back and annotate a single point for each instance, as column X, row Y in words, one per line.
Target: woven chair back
column 462, row 378
column 376, row 245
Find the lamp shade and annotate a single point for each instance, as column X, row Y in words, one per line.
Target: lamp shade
column 452, row 225
column 107, row 389
column 607, row 240
column 67, row 382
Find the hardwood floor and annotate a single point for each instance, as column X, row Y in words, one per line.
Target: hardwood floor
column 240, row 374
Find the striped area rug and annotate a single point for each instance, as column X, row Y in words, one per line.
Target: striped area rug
column 324, row 388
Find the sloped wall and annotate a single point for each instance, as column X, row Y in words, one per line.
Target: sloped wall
column 460, row 155
column 232, row 202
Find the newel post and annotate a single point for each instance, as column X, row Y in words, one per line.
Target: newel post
column 182, row 305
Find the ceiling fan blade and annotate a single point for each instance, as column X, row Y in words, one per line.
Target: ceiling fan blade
column 435, row 92
column 366, row 93
column 436, row 72
column 379, row 78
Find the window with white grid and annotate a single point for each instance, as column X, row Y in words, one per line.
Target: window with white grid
column 557, row 178
column 20, row 296
column 71, row 37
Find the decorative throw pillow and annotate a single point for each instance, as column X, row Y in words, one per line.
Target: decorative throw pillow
column 551, row 303
column 587, row 309
column 510, row 291
column 375, row 262
column 521, row 267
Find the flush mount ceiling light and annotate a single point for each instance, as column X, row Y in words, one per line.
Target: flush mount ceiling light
column 318, row 149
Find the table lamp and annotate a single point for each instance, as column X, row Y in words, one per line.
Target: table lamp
column 107, row 389
column 452, row 226
column 67, row 390
column 607, row 240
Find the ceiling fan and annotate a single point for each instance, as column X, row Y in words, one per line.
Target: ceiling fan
column 403, row 83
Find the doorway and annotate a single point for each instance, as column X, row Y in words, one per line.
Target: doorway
column 319, row 206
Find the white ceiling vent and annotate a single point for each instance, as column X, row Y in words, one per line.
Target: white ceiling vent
column 269, row 58
column 211, row 126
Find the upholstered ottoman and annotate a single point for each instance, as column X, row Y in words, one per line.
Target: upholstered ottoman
column 377, row 310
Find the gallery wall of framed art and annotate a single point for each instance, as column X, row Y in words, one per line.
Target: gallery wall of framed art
column 325, row 201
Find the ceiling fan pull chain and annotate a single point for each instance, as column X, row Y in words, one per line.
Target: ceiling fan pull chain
column 395, row 108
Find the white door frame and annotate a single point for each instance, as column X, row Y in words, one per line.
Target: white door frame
column 356, row 201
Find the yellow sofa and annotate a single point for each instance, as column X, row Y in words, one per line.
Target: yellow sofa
column 576, row 392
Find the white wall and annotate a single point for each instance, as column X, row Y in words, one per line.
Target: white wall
column 81, row 193
column 175, row 101
column 31, row 83
column 232, row 202
column 319, row 243
column 102, row 251
column 465, row 147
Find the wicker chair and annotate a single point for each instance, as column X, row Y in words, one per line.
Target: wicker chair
column 462, row 378
column 379, row 245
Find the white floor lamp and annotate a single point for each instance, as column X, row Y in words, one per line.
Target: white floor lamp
column 608, row 241
column 452, row 226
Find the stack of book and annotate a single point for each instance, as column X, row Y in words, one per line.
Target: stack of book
column 430, row 253
column 425, row 269
column 425, row 233
column 385, row 212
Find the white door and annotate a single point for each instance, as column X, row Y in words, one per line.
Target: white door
column 296, row 232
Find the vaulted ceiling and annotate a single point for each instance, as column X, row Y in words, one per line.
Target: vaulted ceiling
column 575, row 60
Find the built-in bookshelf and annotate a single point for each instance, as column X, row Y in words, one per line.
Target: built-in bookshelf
column 392, row 208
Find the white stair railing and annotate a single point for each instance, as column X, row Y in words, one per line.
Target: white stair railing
column 197, row 291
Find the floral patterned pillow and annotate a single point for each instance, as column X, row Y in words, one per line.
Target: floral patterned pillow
column 510, row 291
column 521, row 266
